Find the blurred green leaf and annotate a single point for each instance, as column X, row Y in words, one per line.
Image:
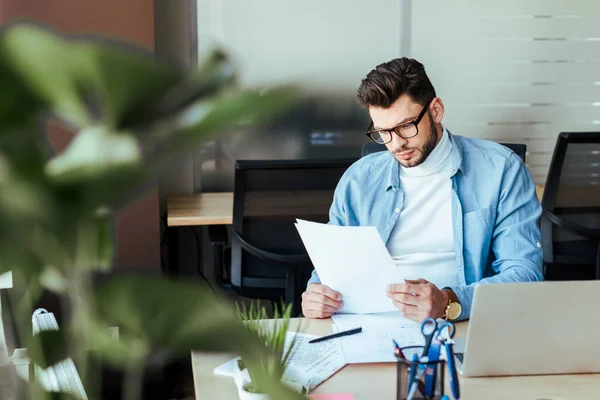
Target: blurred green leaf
column 50, row 349
column 127, row 80
column 16, row 257
column 101, row 183
column 93, row 154
column 48, row 66
column 53, row 279
column 215, row 74
column 17, row 102
column 208, row 118
column 105, row 240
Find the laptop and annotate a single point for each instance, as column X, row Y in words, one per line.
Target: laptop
column 535, row 328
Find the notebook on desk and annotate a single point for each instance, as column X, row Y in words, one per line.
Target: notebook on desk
column 533, row 328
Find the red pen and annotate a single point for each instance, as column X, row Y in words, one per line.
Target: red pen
column 398, row 351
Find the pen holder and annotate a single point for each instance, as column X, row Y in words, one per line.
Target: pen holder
column 403, row 372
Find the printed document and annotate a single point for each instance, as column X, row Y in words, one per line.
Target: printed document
column 354, row 261
column 375, row 342
column 312, row 363
column 309, row 365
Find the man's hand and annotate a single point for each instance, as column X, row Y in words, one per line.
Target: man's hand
column 418, row 299
column 319, row 301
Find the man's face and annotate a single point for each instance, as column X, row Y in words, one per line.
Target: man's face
column 413, row 151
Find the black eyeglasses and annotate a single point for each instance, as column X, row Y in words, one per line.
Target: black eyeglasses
column 405, row 130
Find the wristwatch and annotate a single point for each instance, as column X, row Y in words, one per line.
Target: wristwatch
column 453, row 310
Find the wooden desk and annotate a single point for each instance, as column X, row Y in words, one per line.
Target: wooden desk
column 199, row 209
column 378, row 381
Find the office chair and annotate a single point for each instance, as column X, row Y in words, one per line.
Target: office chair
column 372, row 147
column 267, row 258
column 570, row 221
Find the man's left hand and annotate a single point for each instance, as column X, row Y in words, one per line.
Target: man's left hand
column 418, row 299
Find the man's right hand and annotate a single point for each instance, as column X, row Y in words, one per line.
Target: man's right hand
column 319, row 301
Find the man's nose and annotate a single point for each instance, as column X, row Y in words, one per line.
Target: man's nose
column 398, row 141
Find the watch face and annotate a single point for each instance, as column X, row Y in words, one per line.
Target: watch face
column 454, row 310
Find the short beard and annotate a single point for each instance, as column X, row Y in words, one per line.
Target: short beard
column 428, row 146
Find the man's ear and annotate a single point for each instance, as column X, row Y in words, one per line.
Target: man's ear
column 437, row 110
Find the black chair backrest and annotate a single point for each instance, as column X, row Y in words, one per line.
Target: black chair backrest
column 372, row 147
column 571, row 203
column 268, row 197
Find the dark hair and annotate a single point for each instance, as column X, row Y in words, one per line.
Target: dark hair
column 390, row 80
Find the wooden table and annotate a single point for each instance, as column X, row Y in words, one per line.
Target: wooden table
column 198, row 209
column 378, row 381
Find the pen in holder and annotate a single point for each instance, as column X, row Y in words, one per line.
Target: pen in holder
column 410, row 375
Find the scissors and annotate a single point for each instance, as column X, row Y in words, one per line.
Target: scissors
column 433, row 335
column 430, row 330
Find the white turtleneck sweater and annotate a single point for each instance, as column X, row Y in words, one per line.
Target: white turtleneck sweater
column 422, row 241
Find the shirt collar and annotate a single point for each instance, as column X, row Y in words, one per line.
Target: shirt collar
column 457, row 163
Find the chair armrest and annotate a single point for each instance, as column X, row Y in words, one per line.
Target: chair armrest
column 268, row 255
column 588, row 233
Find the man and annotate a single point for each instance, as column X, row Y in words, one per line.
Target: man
column 453, row 211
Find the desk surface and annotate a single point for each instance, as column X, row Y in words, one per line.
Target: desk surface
column 200, row 209
column 213, row 208
column 378, row 381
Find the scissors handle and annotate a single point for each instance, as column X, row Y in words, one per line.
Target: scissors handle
column 428, row 329
column 442, row 327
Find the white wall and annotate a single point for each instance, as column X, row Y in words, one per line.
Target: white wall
column 323, row 44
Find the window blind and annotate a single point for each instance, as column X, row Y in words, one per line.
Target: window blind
column 512, row 71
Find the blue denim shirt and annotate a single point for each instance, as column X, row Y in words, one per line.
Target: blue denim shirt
column 494, row 212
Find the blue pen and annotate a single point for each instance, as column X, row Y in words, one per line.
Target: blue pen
column 430, row 372
column 454, row 386
column 415, row 378
column 413, row 371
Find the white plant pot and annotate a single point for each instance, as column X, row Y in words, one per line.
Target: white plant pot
column 245, row 395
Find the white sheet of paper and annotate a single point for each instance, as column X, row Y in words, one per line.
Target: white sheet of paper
column 374, row 343
column 354, row 261
column 312, row 363
column 226, row 369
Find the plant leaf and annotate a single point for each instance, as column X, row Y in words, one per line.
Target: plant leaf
column 17, row 102
column 48, row 347
column 47, row 66
column 125, row 78
column 94, row 154
column 205, row 119
column 215, row 74
column 105, row 244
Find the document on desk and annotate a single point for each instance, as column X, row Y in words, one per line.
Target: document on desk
column 374, row 344
column 354, row 261
column 312, row 363
column 309, row 365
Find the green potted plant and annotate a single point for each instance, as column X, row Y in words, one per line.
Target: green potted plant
column 279, row 343
column 133, row 115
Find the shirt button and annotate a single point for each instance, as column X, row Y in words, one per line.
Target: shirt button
column 393, row 189
column 397, row 210
column 539, row 244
